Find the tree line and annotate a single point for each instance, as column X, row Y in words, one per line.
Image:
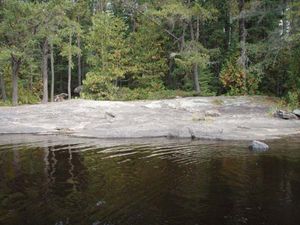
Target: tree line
column 138, row 49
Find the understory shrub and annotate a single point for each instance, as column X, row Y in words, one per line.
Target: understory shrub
column 238, row 81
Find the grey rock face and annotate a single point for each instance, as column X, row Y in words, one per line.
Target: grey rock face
column 212, row 113
column 297, row 112
column 285, row 115
column 242, row 118
column 258, row 146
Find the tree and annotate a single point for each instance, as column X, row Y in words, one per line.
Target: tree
column 82, row 15
column 47, row 34
column 106, row 46
column 17, row 27
column 189, row 15
column 4, row 59
column 242, row 34
column 133, row 48
column 69, row 49
column 147, row 66
column 2, row 86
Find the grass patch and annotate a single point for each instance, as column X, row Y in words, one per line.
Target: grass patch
column 6, row 103
column 126, row 94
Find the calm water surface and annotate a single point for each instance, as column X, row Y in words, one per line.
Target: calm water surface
column 176, row 183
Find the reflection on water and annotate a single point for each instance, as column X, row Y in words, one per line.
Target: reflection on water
column 185, row 184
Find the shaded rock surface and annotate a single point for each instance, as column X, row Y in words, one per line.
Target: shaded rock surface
column 258, row 146
column 297, row 112
column 286, row 115
column 241, row 118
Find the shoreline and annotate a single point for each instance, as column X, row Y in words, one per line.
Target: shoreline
column 210, row 118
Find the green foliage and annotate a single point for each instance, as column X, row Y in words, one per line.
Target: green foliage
column 233, row 78
column 173, row 10
column 99, row 86
column 147, row 61
column 27, row 97
column 14, row 27
column 208, row 83
column 292, row 100
column 193, row 53
column 237, row 81
column 127, row 94
column 150, row 49
column 106, row 46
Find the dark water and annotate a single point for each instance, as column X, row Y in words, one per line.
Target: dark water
column 186, row 184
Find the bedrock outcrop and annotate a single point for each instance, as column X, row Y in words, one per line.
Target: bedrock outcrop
column 226, row 118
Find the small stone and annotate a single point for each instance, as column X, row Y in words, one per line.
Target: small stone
column 258, row 146
column 212, row 113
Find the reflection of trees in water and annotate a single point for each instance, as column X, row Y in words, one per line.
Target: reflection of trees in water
column 37, row 183
column 16, row 160
column 65, row 170
column 56, row 185
column 67, row 177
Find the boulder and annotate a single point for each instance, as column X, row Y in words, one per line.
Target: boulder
column 297, row 112
column 78, row 89
column 61, row 97
column 285, row 115
column 258, row 146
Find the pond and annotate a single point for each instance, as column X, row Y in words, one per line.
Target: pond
column 172, row 182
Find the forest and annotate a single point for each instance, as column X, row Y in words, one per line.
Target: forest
column 142, row 49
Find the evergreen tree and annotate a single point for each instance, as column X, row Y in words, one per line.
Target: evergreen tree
column 106, row 47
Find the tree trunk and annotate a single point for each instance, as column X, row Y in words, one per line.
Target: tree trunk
column 196, row 78
column 285, row 21
column 227, row 26
column 182, row 43
column 69, row 68
column 82, row 70
column 134, row 23
column 195, row 69
column 197, row 28
column 79, row 61
column 192, row 30
column 242, row 34
column 170, row 76
column 45, row 51
column 52, row 71
column 30, row 86
column 2, row 86
column 60, row 83
column 15, row 64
